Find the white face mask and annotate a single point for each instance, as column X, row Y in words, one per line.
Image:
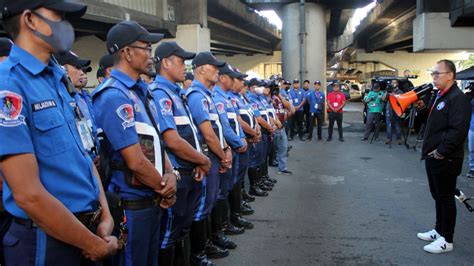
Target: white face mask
column 259, row 90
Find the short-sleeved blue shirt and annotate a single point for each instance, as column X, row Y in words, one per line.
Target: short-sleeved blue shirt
column 224, row 106
column 117, row 110
column 316, row 101
column 298, row 97
column 84, row 102
column 37, row 117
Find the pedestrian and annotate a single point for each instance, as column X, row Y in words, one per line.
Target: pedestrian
column 52, row 189
column 373, row 100
column 184, row 148
column 390, row 116
column 282, row 108
column 316, row 100
column 306, row 108
column 335, row 104
column 141, row 173
column 299, row 99
column 206, row 118
column 470, row 174
column 443, row 151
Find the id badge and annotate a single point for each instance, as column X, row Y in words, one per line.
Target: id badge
column 296, row 100
column 336, row 104
column 316, row 106
column 85, row 133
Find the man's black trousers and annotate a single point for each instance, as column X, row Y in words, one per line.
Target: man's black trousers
column 335, row 117
column 442, row 175
column 297, row 122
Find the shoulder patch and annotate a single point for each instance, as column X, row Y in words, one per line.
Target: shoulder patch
column 205, row 105
column 125, row 112
column 165, row 105
column 220, row 108
column 11, row 105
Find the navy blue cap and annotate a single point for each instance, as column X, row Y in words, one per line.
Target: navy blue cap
column 167, row 49
column 228, row 70
column 70, row 58
column 206, row 58
column 317, row 82
column 11, row 8
column 189, row 76
column 106, row 61
column 128, row 32
column 241, row 75
column 296, row 81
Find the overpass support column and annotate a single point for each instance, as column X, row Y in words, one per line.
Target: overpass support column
column 313, row 65
column 192, row 32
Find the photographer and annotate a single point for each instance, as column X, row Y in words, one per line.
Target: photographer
column 469, row 93
column 374, row 103
column 390, row 116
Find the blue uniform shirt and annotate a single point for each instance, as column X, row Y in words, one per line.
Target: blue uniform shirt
column 37, row 117
column 224, row 106
column 117, row 110
column 298, row 97
column 172, row 115
column 244, row 109
column 316, row 101
column 256, row 104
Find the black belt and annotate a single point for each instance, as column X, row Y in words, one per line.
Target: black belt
column 86, row 218
column 186, row 171
column 140, row 204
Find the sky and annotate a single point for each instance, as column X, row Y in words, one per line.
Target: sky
column 359, row 15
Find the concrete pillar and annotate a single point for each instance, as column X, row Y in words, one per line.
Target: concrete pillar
column 314, row 52
column 193, row 37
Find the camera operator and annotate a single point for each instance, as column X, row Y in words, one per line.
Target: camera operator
column 282, row 108
column 374, row 103
column 443, row 152
column 390, row 116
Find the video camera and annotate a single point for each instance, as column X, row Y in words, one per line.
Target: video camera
column 274, row 85
column 469, row 90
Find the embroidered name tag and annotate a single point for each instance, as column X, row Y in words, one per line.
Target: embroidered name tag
column 44, row 105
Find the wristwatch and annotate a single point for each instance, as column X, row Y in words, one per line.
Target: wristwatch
column 175, row 172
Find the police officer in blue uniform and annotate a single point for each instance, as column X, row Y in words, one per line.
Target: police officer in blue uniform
column 251, row 130
column 316, row 100
column 73, row 66
column 298, row 96
column 105, row 67
column 205, row 116
column 55, row 205
column 285, row 92
column 272, row 120
column 183, row 145
column 233, row 136
column 142, row 175
column 257, row 156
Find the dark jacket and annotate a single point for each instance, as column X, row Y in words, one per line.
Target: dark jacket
column 448, row 125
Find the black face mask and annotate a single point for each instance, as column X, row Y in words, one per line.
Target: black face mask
column 62, row 36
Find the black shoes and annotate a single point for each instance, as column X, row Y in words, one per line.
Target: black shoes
column 329, row 139
column 246, row 197
column 200, row 260
column 241, row 222
column 285, row 172
column 223, row 242
column 364, row 139
column 341, row 139
column 256, row 191
column 245, row 209
column 215, row 252
column 233, row 230
column 273, row 164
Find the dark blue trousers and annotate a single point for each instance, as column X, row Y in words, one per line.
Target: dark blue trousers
column 176, row 221
column 242, row 166
column 211, row 185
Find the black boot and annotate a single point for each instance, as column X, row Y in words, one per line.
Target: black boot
column 254, row 188
column 229, row 228
column 264, row 171
column 166, row 256
column 198, row 244
column 213, row 250
column 247, row 197
column 261, row 179
column 182, row 252
column 245, row 209
column 235, row 202
column 219, row 238
column 240, row 221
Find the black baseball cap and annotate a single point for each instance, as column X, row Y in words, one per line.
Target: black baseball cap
column 256, row 82
column 189, row 76
column 335, row 84
column 306, row 81
column 167, row 49
column 241, row 75
column 317, row 82
column 246, row 82
column 86, row 69
column 5, row 46
column 228, row 70
column 70, row 58
column 286, row 82
column 11, row 8
column 206, row 58
column 128, row 32
column 106, row 61
column 296, row 81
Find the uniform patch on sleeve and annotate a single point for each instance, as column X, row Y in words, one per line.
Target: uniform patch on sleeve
column 234, row 102
column 254, row 106
column 165, row 105
column 205, row 105
column 125, row 112
column 220, row 108
column 11, row 105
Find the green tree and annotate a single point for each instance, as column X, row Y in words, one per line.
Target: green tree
column 468, row 63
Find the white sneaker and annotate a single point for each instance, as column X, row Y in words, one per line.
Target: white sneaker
column 439, row 246
column 429, row 236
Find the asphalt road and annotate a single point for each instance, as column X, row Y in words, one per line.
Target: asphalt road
column 350, row 203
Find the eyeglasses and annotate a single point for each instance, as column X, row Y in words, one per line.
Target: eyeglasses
column 436, row 74
column 146, row 48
